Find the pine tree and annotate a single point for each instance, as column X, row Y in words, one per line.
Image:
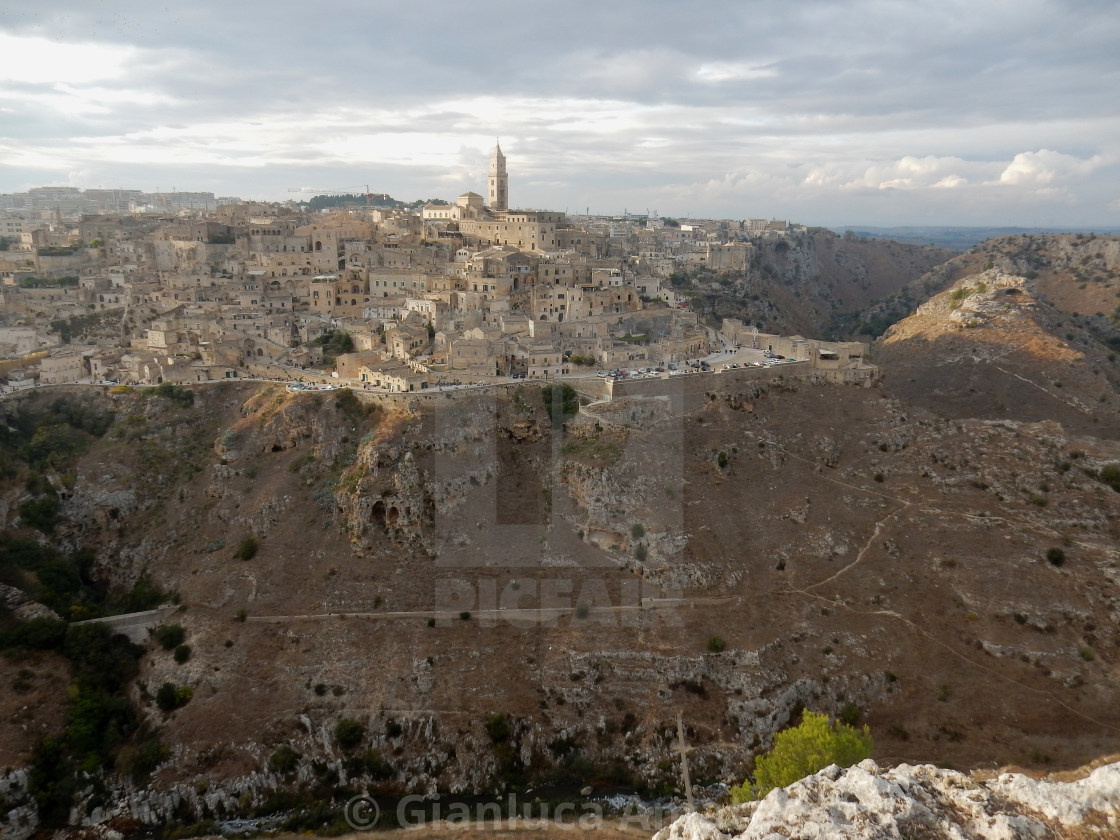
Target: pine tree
column 803, row 750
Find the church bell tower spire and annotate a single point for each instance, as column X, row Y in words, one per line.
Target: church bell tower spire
column 499, row 180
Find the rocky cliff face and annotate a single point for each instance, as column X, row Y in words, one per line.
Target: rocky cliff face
column 867, row 802
column 993, row 346
column 500, row 603
column 807, row 283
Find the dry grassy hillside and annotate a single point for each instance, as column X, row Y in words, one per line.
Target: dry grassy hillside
column 800, row 545
column 993, row 347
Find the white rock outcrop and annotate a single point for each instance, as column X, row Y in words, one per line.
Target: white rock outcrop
column 865, row 802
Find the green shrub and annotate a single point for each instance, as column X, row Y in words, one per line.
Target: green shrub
column 170, row 636
column 100, row 720
column 41, row 513
column 803, row 750
column 35, row 634
column 141, row 760
column 145, row 595
column 850, row 714
column 247, row 548
column 376, row 765
column 716, row 644
column 284, row 759
column 1110, row 475
column 349, row 404
column 1055, row 556
column 561, row 402
column 465, row 615
column 182, row 653
column 637, row 530
column 348, row 733
column 334, row 343
column 182, row 397
column 170, row 697
column 498, row 728
column 583, row 611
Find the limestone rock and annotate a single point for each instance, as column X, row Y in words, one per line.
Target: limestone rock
column 866, row 802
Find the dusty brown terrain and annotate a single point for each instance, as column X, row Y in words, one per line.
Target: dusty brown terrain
column 923, row 598
column 499, row 602
column 32, row 703
column 993, row 347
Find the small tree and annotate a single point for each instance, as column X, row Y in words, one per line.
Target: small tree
column 284, row 760
column 376, row 765
column 170, row 636
column 247, row 548
column 170, row 697
column 561, row 401
column 803, row 750
column 165, row 697
column 348, row 733
column 1110, row 473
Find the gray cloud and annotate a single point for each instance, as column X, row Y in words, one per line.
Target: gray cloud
column 827, row 112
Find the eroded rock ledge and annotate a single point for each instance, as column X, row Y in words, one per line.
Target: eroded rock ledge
column 865, row 802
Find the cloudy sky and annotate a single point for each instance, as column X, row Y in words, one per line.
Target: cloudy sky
column 992, row 112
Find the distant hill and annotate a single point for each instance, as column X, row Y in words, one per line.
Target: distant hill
column 1018, row 329
column 958, row 238
column 1078, row 274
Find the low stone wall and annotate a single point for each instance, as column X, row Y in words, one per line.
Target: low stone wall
column 265, row 370
column 691, row 389
column 695, row 387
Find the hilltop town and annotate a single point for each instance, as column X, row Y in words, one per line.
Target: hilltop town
column 119, row 286
column 416, row 590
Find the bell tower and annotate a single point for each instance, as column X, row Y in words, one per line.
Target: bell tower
column 499, row 181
